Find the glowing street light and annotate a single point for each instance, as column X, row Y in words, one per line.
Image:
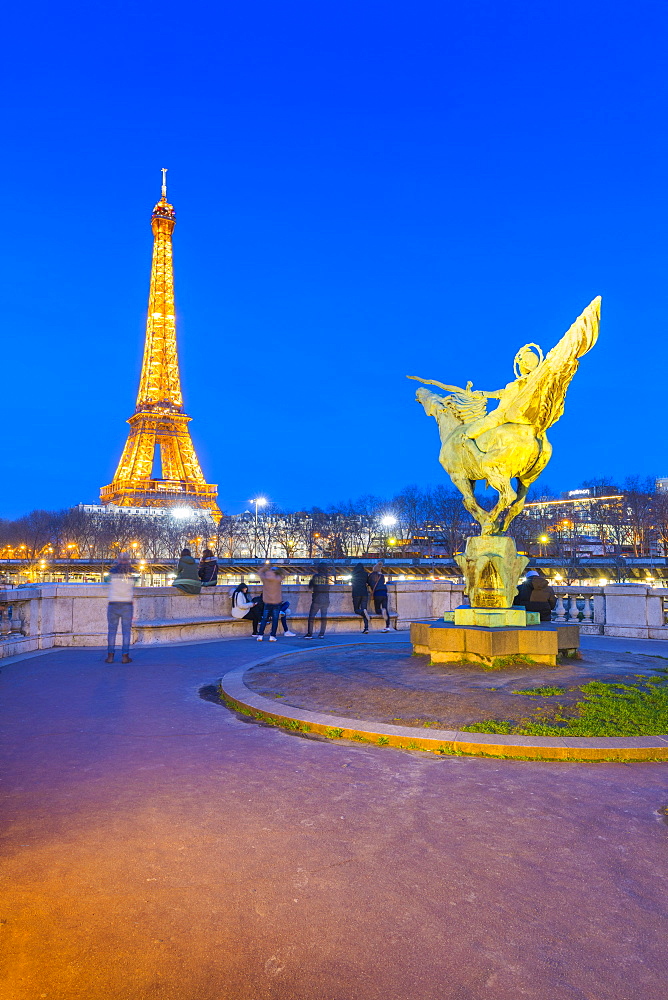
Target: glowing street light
column 259, row 502
column 388, row 521
column 181, row 513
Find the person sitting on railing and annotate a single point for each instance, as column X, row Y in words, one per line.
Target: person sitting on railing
column 535, row 594
column 208, row 569
column 187, row 579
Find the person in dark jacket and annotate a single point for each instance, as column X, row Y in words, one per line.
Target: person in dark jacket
column 378, row 588
column 361, row 594
column 187, row 579
column 319, row 587
column 208, row 569
column 535, row 594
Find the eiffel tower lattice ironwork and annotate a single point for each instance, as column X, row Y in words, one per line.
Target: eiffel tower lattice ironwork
column 159, row 420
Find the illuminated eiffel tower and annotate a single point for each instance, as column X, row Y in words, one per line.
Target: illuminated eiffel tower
column 159, row 420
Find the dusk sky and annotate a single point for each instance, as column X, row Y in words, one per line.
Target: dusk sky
column 364, row 191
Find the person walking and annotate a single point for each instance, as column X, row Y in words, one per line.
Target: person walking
column 535, row 594
column 243, row 606
column 208, row 569
column 319, row 587
column 272, row 581
column 378, row 588
column 119, row 606
column 360, row 582
column 187, row 578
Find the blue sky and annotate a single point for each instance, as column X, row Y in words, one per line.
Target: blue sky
column 363, row 191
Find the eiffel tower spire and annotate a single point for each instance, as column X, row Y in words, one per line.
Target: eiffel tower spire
column 159, row 420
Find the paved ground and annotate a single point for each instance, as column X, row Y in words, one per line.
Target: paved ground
column 393, row 686
column 155, row 846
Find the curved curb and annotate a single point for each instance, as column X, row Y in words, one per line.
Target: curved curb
column 443, row 741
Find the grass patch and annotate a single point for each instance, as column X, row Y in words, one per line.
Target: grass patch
column 517, row 660
column 605, row 710
column 383, row 741
column 333, row 733
column 542, row 692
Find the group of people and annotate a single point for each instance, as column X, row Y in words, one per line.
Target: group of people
column 191, row 577
column 270, row 604
column 535, row 594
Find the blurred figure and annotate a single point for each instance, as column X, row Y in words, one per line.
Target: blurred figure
column 119, row 607
column 272, row 581
column 535, row 594
column 243, row 606
column 361, row 594
column 285, row 610
column 187, row 577
column 319, row 587
column 208, row 569
column 378, row 588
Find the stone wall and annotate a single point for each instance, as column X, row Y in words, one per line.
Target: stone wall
column 75, row 614
column 72, row 614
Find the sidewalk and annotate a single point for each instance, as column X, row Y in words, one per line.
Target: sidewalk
column 156, row 846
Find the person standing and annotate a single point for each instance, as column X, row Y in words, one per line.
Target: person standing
column 378, row 588
column 272, row 581
column 208, row 569
column 360, row 595
column 119, row 607
column 319, row 587
column 187, row 577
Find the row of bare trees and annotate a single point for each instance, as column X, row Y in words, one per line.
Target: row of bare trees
column 628, row 518
column 431, row 521
column 427, row 522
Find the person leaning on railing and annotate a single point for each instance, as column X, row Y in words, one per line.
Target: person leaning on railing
column 535, row 594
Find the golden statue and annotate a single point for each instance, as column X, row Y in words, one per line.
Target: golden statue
column 510, row 442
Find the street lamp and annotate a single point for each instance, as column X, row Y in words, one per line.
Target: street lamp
column 69, row 561
column 259, row 502
column 388, row 521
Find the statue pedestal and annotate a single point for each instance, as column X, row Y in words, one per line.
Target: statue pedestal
column 495, row 647
column 491, row 568
column 493, row 617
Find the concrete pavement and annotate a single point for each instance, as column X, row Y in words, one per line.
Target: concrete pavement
column 156, row 846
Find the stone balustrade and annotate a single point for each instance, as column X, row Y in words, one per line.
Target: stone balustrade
column 63, row 614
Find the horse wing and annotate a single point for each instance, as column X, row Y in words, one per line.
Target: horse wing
column 541, row 401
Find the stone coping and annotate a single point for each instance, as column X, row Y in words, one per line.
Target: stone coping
column 445, row 741
column 227, row 620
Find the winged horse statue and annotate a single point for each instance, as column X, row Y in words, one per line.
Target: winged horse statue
column 510, row 442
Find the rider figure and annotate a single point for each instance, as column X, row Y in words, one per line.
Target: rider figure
column 526, row 362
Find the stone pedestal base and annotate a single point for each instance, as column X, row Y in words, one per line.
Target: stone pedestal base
column 493, row 617
column 495, row 647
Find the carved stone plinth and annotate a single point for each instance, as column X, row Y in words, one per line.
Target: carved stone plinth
column 491, row 569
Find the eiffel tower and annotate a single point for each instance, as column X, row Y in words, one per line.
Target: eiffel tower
column 159, row 420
